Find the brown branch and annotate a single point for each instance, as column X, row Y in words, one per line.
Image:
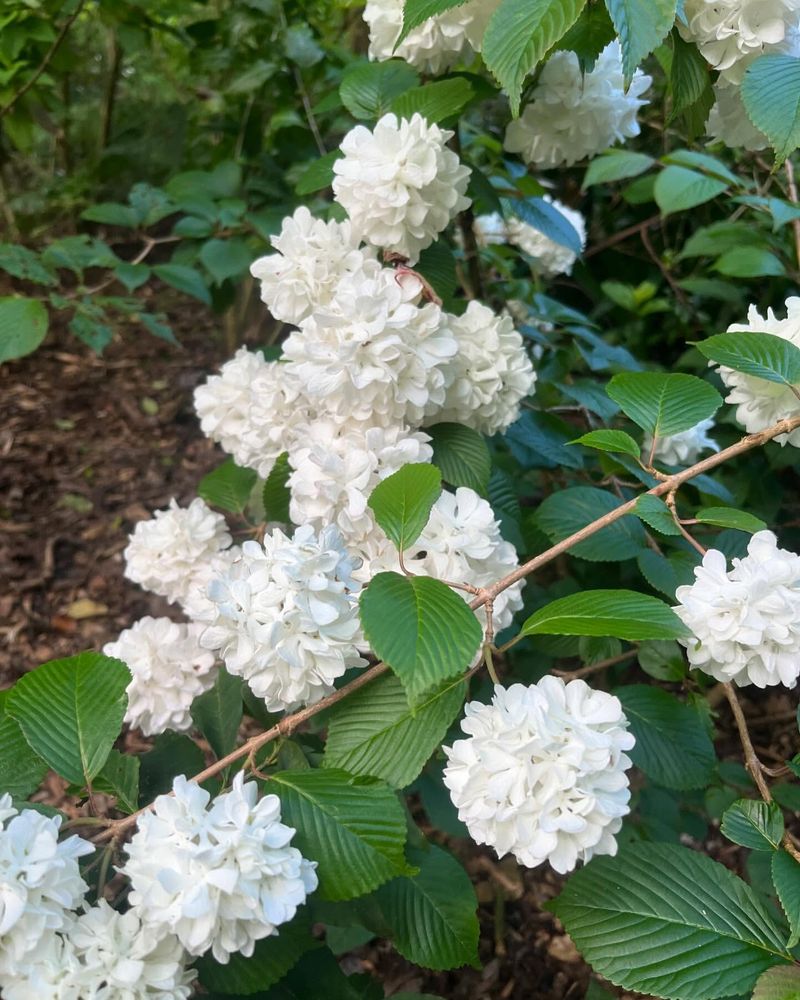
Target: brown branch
column 45, row 62
column 623, row 234
column 594, row 668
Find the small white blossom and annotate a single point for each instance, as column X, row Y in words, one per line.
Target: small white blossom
column 286, row 618
column 745, row 623
column 542, row 772
column 683, row 448
column 312, row 257
column 39, row 881
column 399, row 183
column 436, row 44
column 51, row 972
column 219, row 877
column 574, row 115
column 169, row 670
column 731, row 33
column 760, row 403
column 195, row 603
column 551, row 258
column 489, row 376
column 250, row 409
column 490, row 230
column 728, row 121
column 336, row 467
column 378, row 357
column 165, row 551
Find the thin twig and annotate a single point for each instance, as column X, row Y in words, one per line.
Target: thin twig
column 45, row 62
column 670, row 502
column 594, row 668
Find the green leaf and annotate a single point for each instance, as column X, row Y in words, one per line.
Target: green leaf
column 779, row 983
column 672, row 744
column 226, row 258
column 519, row 35
column 132, row 276
column 754, row 824
column 276, row 495
column 433, row 915
column 665, row 920
column 112, row 214
column 613, row 441
column 615, row 165
column 763, row 355
column 565, row 512
column 623, row 614
column 423, row 630
column 435, row 101
column 437, row 265
column 71, row 712
column 678, row 188
column 727, row 517
column 21, row 769
column 662, row 660
column 272, row 958
column 23, row 326
column 120, row 778
column 749, row 262
column 376, row 732
column 218, row 713
column 367, row 89
column 547, row 219
column 771, row 97
column 688, row 77
column 318, row 970
column 227, row 487
column 786, row 879
column 185, row 279
column 318, row 174
column 663, row 403
column 354, row 829
column 402, row 502
column 20, row 262
column 653, row 511
column 417, row 11
column 462, row 456
column 172, row 754
column 641, row 26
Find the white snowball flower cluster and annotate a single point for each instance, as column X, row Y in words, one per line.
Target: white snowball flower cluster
column 312, row 258
column 490, row 230
column 760, row 403
column 169, row 670
column 286, row 617
column 731, row 33
column 399, row 183
column 541, row 774
column 218, row 877
column 745, row 623
column 490, row 374
column 683, row 448
column 39, row 882
column 551, row 258
column 104, row 955
column 728, row 121
column 165, row 551
column 436, row 44
column 250, row 409
column 574, row 115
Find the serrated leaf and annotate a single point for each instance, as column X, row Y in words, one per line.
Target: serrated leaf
column 786, row 879
column 367, row 89
column 276, row 495
column 662, row 660
column 678, row 188
column 664, row 403
column 437, row 265
column 545, row 218
column 218, row 713
column 567, row 511
column 402, row 502
column 227, row 487
column 21, row 769
column 762, row 355
column 771, row 97
column 185, row 279
column 672, row 744
column 749, row 262
column 354, row 829
column 415, row 12
column 754, row 824
column 623, row 614
column 20, row 262
column 112, row 214
column 435, row 101
column 423, row 630
column 658, row 571
column 779, row 983
column 641, row 26
column 462, row 456
column 318, row 174
column 71, row 711
column 376, row 732
column 433, row 915
column 688, row 77
column 615, row 165
column 225, row 259
column 728, row 517
column 612, row 441
column 120, row 778
column 667, row 921
column 23, row 326
column 653, row 511
column 519, row 35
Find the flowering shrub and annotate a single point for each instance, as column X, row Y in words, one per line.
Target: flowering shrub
column 500, row 555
